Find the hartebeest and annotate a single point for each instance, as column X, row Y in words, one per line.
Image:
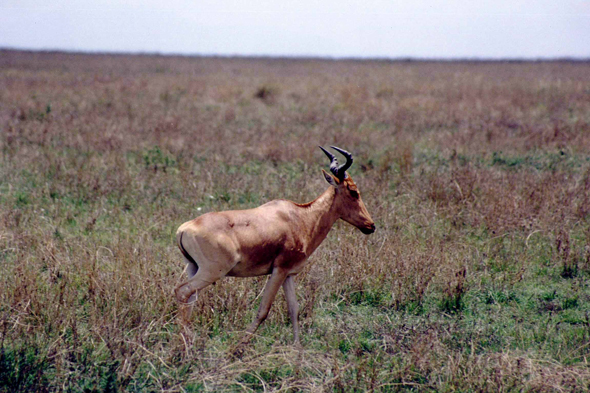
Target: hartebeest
column 276, row 238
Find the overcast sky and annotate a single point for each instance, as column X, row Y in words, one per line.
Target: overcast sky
column 334, row 28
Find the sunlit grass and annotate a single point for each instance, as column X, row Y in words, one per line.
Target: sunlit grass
column 477, row 175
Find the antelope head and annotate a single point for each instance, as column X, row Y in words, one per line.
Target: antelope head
column 348, row 203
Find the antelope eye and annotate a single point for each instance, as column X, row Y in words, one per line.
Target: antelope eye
column 354, row 194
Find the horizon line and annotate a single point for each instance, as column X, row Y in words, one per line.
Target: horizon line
column 482, row 59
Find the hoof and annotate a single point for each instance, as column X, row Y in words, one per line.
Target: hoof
column 184, row 315
column 238, row 351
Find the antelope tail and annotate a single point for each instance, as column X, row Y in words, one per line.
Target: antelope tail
column 184, row 252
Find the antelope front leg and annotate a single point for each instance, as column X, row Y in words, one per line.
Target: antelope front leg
column 270, row 292
column 293, row 306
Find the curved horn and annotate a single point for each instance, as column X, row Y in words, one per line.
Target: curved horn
column 333, row 161
column 342, row 169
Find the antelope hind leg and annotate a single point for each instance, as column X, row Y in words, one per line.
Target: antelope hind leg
column 186, row 292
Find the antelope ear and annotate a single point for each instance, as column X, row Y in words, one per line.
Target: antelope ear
column 330, row 179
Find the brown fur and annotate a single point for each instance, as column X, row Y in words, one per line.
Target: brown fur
column 276, row 238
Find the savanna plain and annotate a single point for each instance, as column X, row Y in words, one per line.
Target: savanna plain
column 477, row 175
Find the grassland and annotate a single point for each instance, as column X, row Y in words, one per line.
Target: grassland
column 477, row 175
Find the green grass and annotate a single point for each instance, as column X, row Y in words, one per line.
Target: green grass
column 477, row 176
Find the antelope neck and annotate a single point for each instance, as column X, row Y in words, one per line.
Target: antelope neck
column 320, row 216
